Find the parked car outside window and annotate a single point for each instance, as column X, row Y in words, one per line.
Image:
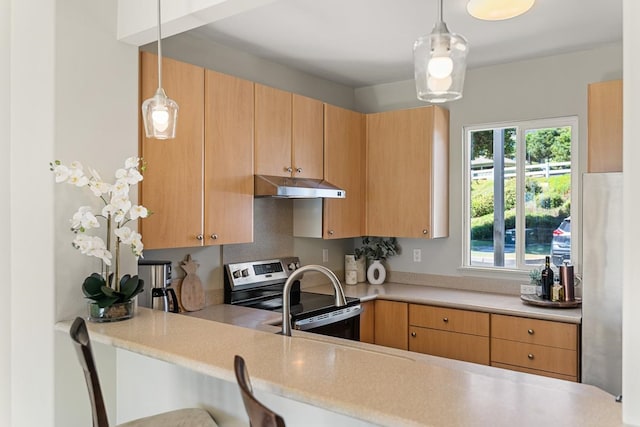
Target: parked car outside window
column 561, row 243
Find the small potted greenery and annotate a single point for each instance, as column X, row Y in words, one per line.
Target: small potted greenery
column 377, row 249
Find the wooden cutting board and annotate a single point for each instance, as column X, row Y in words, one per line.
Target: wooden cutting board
column 191, row 291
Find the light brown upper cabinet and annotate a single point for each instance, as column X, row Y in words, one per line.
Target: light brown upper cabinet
column 344, row 157
column 288, row 134
column 199, row 185
column 605, row 127
column 407, row 175
column 344, row 153
column 228, row 160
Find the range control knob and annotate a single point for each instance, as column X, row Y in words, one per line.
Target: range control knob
column 291, row 266
column 245, row 272
column 236, row 274
column 297, row 265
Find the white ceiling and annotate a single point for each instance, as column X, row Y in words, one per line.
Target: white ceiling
column 366, row 42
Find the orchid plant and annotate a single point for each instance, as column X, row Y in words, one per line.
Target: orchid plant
column 117, row 212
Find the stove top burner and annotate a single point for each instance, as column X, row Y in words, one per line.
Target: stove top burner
column 259, row 284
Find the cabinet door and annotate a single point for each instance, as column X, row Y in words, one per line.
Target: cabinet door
column 605, row 127
column 172, row 185
column 272, row 131
column 407, row 173
column 391, row 324
column 344, row 167
column 367, row 322
column 228, row 194
column 307, row 137
column 452, row 345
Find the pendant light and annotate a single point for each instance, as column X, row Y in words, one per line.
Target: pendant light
column 497, row 10
column 160, row 113
column 440, row 63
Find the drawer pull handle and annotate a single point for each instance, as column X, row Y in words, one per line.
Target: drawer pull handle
column 530, row 331
column 445, row 319
column 413, row 334
column 530, row 356
column 199, row 237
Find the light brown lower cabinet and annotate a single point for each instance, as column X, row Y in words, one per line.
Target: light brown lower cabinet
column 520, row 344
column 536, row 346
column 447, row 332
column 367, row 322
column 391, row 324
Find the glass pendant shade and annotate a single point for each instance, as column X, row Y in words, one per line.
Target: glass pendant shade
column 160, row 113
column 440, row 62
column 497, row 10
column 160, row 116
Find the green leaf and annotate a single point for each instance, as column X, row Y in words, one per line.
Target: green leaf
column 92, row 285
column 108, row 291
column 128, row 287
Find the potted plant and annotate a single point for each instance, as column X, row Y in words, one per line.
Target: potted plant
column 110, row 293
column 377, row 249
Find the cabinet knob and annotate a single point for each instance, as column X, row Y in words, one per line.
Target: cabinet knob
column 530, row 356
column 199, row 237
column 425, row 231
column 530, row 331
column 445, row 319
column 289, row 169
column 330, row 232
column 413, row 334
column 298, row 170
column 214, row 236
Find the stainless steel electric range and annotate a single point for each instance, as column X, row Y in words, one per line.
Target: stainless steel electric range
column 259, row 284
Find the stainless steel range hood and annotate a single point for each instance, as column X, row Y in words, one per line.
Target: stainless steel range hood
column 295, row 188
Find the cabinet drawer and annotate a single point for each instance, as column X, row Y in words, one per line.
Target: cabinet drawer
column 533, row 356
column 449, row 319
column 533, row 331
column 470, row 348
column 535, row 371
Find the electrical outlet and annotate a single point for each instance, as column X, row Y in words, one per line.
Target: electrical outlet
column 325, row 255
column 417, row 255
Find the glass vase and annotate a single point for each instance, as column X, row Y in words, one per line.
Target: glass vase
column 113, row 313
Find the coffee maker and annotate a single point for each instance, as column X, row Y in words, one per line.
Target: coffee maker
column 158, row 293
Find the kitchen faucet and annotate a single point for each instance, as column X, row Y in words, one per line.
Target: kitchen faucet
column 340, row 300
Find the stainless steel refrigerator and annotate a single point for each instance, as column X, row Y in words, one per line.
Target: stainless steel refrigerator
column 602, row 281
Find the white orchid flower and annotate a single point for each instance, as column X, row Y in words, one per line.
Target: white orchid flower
column 62, row 173
column 138, row 211
column 77, row 178
column 76, row 165
column 133, row 177
column 132, row 162
column 92, row 246
column 84, row 219
column 99, row 188
column 120, row 188
column 129, row 237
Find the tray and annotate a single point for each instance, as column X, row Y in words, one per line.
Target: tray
column 536, row 300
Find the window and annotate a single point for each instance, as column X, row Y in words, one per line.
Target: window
column 519, row 192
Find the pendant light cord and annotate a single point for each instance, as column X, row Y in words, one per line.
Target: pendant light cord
column 439, row 10
column 159, row 49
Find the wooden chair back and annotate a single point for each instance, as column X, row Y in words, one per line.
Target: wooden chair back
column 259, row 415
column 80, row 337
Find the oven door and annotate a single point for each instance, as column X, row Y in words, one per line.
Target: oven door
column 340, row 323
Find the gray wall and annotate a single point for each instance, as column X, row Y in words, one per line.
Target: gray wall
column 546, row 87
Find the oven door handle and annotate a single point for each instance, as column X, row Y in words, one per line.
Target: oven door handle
column 337, row 315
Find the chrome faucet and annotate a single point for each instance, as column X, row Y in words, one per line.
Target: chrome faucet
column 340, row 300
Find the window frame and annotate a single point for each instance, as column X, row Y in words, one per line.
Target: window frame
column 521, row 270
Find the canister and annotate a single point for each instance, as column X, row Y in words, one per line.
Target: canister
column 566, row 281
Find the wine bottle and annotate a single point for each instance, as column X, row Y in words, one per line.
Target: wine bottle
column 547, row 279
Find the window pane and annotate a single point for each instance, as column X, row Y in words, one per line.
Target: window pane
column 493, row 197
column 548, row 195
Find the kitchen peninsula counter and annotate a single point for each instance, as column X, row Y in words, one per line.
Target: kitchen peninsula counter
column 371, row 383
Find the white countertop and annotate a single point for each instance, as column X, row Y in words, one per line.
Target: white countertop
column 455, row 298
column 376, row 384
